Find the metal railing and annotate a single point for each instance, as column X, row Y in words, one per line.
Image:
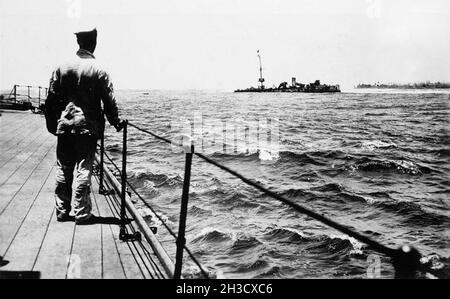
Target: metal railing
column 39, row 99
column 406, row 259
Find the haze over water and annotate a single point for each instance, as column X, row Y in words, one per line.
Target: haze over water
column 377, row 162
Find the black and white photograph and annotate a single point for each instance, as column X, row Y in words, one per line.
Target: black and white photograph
column 225, row 145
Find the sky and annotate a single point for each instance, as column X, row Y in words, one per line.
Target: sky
column 212, row 44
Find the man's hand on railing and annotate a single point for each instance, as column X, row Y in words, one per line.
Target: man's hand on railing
column 120, row 126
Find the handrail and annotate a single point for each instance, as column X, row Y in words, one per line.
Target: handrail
column 148, row 234
column 406, row 259
column 205, row 274
column 173, row 271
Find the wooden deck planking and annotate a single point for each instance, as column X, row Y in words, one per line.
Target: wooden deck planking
column 23, row 146
column 138, row 252
column 10, row 168
column 25, row 248
column 87, row 244
column 30, row 237
column 112, row 265
column 126, row 253
column 53, row 258
column 19, row 206
column 22, row 181
column 13, row 139
column 12, row 134
column 30, row 140
column 9, row 122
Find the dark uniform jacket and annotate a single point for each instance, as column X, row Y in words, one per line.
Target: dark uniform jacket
column 76, row 91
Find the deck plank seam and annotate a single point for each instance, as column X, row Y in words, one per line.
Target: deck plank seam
column 155, row 268
column 26, row 180
column 11, row 137
column 13, row 127
column 19, row 138
column 111, row 204
column 30, row 142
column 147, row 254
column 112, row 233
column 22, row 137
column 116, row 213
column 28, row 212
column 21, row 164
column 18, row 119
column 101, row 235
column 117, row 204
column 70, row 252
column 43, row 238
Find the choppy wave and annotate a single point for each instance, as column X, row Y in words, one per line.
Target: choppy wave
column 286, row 235
column 326, row 191
column 413, row 213
column 302, row 158
column 399, row 166
column 244, row 242
column 198, row 211
column 293, row 193
column 158, row 179
column 331, row 187
column 281, row 157
column 325, row 243
column 238, row 156
column 211, row 235
column 253, row 266
column 335, row 246
column 377, row 144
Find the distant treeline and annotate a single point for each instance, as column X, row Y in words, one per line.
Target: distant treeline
column 422, row 85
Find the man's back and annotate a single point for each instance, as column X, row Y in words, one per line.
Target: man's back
column 75, row 94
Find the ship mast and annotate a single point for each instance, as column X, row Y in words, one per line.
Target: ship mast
column 261, row 79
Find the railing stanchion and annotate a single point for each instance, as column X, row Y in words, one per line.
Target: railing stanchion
column 123, row 235
column 181, row 240
column 124, row 182
column 102, row 156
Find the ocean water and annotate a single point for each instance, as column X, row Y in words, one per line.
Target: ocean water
column 377, row 162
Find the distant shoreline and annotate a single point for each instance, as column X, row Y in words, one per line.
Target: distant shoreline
column 426, row 85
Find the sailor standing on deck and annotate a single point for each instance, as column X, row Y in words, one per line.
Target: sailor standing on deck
column 73, row 113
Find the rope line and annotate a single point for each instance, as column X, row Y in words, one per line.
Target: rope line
column 153, row 134
column 112, row 162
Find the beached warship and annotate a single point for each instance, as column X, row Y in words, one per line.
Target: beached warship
column 315, row 87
